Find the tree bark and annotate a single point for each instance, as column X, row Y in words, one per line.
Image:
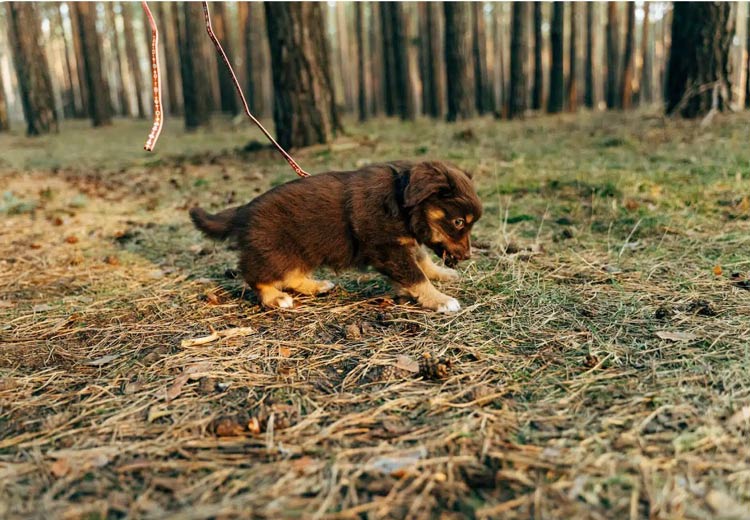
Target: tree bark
column 644, row 87
column 698, row 72
column 483, row 88
column 458, row 62
column 361, row 62
column 4, row 121
column 32, row 70
column 122, row 97
column 248, row 32
column 96, row 81
column 613, row 53
column 573, row 59
column 404, row 94
column 195, row 88
column 556, row 77
column 377, row 67
column 83, row 93
column 227, row 93
column 68, row 97
column 590, row 96
column 537, row 94
column 132, row 55
column 389, row 59
column 626, row 85
column 518, row 60
column 433, row 79
column 168, row 16
column 747, row 65
column 500, row 87
column 304, row 111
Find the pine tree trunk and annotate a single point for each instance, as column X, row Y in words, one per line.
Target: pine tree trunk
column 83, row 93
column 68, row 95
column 168, row 29
column 96, row 81
column 132, row 55
column 404, row 93
column 304, row 111
column 644, row 89
column 613, row 54
column 458, row 62
column 500, row 87
column 377, row 68
column 556, row 77
column 537, row 94
column 389, row 59
column 590, row 96
column 4, row 121
column 483, row 89
column 698, row 75
column 573, row 59
column 626, row 85
column 362, row 65
column 433, row 81
column 252, row 88
column 122, row 97
column 195, row 87
column 32, row 70
column 424, row 54
column 747, row 65
column 227, row 93
column 518, row 60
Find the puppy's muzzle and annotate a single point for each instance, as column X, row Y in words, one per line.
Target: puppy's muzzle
column 452, row 258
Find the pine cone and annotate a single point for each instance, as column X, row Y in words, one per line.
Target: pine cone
column 434, row 369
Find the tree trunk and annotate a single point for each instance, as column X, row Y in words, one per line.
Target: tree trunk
column 404, row 93
column 361, row 62
column 747, row 66
column 377, row 67
column 4, row 122
column 304, row 111
column 248, row 34
column 573, row 59
column 168, row 15
column 698, row 74
column 122, row 97
column 432, row 82
column 227, row 93
column 537, row 94
column 343, row 55
column 389, row 59
column 613, row 53
column 195, row 88
column 556, row 77
column 590, row 96
column 80, row 69
column 459, row 71
column 32, row 70
column 68, row 95
column 518, row 60
column 644, row 88
column 132, row 54
column 626, row 85
column 497, row 30
column 483, row 88
column 96, row 81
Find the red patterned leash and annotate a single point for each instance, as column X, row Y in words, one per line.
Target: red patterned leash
column 155, row 83
column 296, row 167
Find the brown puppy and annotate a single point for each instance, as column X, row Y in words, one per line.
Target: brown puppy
column 380, row 216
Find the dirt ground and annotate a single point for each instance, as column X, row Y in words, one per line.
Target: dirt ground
column 599, row 368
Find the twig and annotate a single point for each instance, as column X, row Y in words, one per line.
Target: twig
column 218, row 334
column 155, row 82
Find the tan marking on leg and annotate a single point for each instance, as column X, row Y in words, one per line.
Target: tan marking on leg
column 270, row 296
column 303, row 284
column 430, row 298
column 432, row 270
column 406, row 241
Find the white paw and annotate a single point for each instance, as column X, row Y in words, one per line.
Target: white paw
column 325, row 286
column 451, row 305
column 447, row 274
column 284, row 302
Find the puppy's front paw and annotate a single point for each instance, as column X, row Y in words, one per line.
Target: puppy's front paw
column 450, row 305
column 325, row 286
column 282, row 301
column 445, row 274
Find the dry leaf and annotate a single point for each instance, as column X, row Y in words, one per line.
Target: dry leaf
column 718, row 270
column 111, row 260
column 35, row 245
column 676, row 335
column 72, row 239
column 60, row 468
column 102, row 360
column 285, row 352
column 227, row 427
column 174, row 390
column 253, row 425
column 407, row 363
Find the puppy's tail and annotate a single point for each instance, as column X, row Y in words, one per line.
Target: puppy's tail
column 218, row 226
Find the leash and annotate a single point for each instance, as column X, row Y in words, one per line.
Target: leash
column 156, row 84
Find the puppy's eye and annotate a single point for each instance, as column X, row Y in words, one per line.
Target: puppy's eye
column 458, row 222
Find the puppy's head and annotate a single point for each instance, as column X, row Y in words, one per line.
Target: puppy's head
column 443, row 207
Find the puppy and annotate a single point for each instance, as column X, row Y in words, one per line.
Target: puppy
column 380, row 216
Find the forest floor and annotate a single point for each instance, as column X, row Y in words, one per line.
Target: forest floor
column 600, row 367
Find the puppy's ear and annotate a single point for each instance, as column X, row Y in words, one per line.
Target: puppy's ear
column 424, row 180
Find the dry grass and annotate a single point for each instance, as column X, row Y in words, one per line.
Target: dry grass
column 599, row 368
